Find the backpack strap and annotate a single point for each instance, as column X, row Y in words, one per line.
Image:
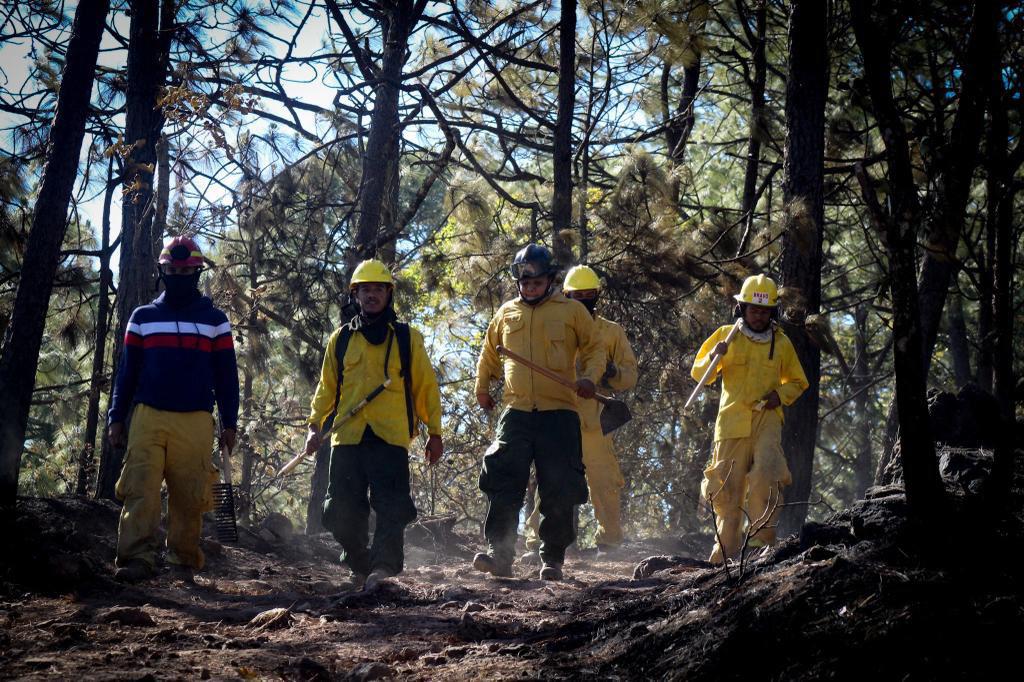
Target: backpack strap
column 339, row 354
column 404, row 337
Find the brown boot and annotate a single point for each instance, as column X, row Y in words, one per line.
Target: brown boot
column 551, row 572
column 485, row 563
column 134, row 570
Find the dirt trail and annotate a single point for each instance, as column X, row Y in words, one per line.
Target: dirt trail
column 440, row 619
column 866, row 595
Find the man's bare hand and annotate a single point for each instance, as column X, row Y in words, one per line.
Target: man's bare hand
column 434, row 450
column 228, row 438
column 772, row 400
column 721, row 348
column 485, row 401
column 312, row 441
column 116, row 435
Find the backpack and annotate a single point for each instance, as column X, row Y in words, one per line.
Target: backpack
column 404, row 338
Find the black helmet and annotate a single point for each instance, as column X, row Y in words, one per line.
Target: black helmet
column 533, row 260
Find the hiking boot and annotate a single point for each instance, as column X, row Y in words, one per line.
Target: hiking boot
column 551, row 572
column 485, row 563
column 376, row 575
column 134, row 571
column 530, row 558
column 181, row 572
column 354, row 582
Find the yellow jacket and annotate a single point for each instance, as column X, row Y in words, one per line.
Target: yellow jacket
column 554, row 334
column 747, row 376
column 364, row 371
column 612, row 338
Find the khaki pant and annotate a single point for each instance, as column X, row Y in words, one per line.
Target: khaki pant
column 744, row 484
column 171, row 446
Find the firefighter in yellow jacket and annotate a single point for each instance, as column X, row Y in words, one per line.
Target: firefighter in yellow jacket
column 760, row 374
column 386, row 361
column 604, row 478
column 540, row 423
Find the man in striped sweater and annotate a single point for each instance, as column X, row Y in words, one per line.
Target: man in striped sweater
column 178, row 359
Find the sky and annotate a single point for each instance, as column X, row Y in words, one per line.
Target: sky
column 16, row 63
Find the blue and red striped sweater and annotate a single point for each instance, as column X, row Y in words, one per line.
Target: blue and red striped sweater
column 179, row 360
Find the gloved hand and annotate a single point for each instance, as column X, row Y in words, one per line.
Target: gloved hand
column 585, row 388
column 485, row 401
column 610, row 371
column 772, row 400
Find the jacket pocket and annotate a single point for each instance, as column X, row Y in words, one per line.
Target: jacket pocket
column 353, row 358
column 554, row 336
column 513, row 335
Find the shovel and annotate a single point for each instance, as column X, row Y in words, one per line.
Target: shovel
column 224, row 502
column 294, row 461
column 615, row 412
column 710, row 371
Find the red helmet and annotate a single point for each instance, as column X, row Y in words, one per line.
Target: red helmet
column 181, row 252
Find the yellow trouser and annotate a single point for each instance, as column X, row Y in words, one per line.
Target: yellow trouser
column 605, row 482
column 604, row 479
column 174, row 446
column 744, row 484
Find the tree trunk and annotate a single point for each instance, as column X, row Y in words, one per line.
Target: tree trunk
column 803, row 193
column 248, row 408
column 986, row 288
column 758, row 121
column 87, row 461
column 379, row 185
column 561, row 199
column 862, row 419
column 321, row 477
column 384, row 127
column 958, row 162
column 19, row 355
column 679, row 124
column 1002, row 189
column 148, row 50
column 917, row 451
column 955, row 170
column 959, row 346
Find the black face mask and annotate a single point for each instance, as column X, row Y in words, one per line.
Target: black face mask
column 373, row 327
column 180, row 289
column 590, row 303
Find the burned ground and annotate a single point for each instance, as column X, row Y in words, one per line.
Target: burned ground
column 866, row 594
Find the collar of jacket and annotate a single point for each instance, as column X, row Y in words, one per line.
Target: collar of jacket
column 757, row 337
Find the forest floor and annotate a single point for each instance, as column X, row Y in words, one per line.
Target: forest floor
column 848, row 598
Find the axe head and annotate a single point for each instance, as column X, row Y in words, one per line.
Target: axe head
column 615, row 414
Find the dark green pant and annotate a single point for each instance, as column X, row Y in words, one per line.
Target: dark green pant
column 382, row 469
column 550, row 439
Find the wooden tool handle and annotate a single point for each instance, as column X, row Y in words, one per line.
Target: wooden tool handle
column 294, row 461
column 225, row 459
column 545, row 371
column 710, row 371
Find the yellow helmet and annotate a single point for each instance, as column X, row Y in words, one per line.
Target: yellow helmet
column 759, row 290
column 371, row 270
column 581, row 278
